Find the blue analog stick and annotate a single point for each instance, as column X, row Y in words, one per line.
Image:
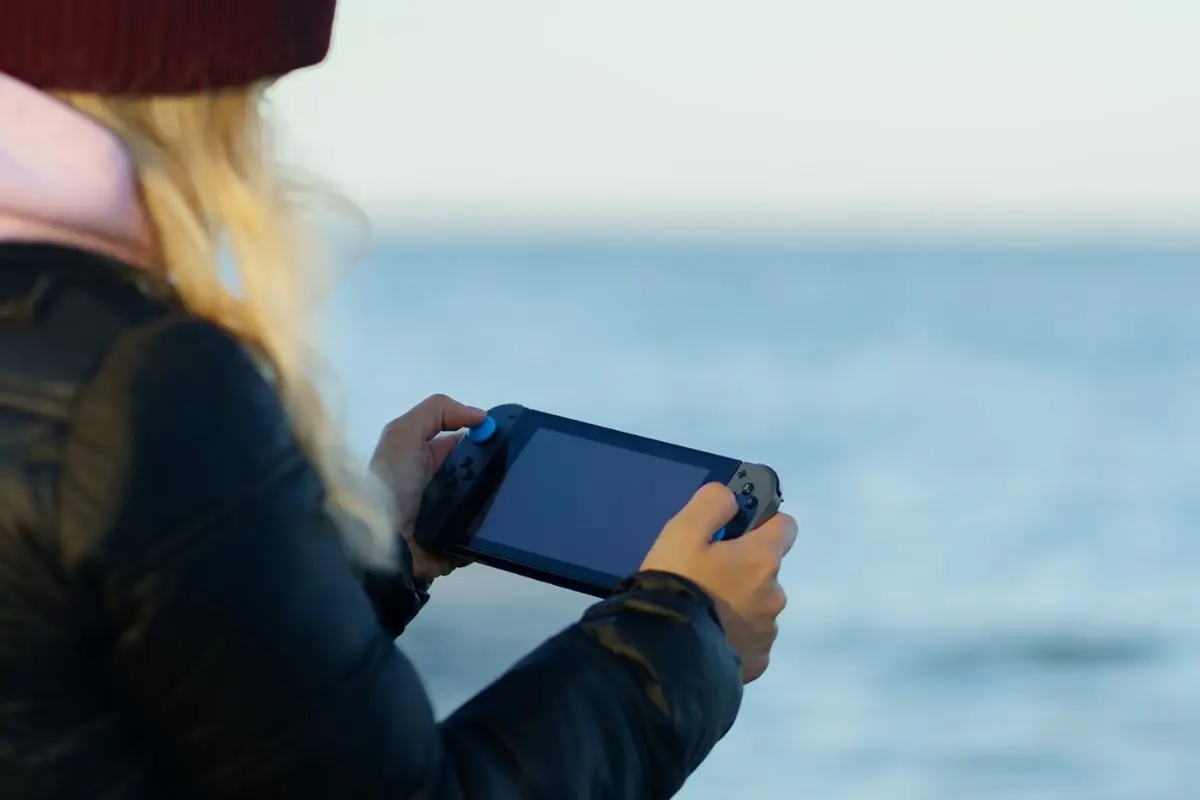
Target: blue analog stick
column 483, row 431
column 719, row 535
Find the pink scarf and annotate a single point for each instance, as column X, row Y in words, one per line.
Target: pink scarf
column 65, row 179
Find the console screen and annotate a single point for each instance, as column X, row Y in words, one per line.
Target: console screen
column 586, row 503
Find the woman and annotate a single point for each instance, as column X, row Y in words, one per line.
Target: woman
column 199, row 590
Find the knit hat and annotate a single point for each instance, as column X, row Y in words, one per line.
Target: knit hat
column 140, row 47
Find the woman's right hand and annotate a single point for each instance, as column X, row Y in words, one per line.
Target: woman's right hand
column 741, row 575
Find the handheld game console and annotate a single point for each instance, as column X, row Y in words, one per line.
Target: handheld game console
column 571, row 503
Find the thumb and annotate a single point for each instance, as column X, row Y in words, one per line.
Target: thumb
column 710, row 508
column 436, row 414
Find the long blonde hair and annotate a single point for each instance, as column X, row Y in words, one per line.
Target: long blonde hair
column 209, row 179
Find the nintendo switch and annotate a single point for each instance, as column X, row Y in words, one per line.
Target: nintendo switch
column 574, row 504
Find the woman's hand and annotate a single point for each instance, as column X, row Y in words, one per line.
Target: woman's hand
column 409, row 452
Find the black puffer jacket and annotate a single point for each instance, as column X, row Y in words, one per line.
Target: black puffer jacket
column 178, row 619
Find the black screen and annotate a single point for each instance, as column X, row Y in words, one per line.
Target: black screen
column 586, row 503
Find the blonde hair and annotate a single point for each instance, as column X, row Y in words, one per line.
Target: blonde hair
column 209, row 179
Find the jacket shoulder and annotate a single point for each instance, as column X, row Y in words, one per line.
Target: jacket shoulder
column 60, row 311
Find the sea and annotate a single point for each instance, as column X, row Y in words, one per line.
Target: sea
column 993, row 453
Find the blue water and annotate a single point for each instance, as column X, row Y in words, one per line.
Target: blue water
column 994, row 456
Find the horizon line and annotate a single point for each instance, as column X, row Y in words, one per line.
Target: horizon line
column 812, row 241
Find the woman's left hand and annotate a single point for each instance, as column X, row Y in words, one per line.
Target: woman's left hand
column 410, row 450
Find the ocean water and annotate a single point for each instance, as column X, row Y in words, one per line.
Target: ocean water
column 994, row 456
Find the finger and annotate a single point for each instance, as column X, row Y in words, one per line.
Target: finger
column 711, row 507
column 437, row 414
column 778, row 601
column 441, row 447
column 754, row 667
column 780, row 530
column 440, row 566
column 785, row 532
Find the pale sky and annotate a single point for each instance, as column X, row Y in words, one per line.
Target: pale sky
column 1009, row 117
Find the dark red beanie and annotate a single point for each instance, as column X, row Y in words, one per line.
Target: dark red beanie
column 138, row 47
